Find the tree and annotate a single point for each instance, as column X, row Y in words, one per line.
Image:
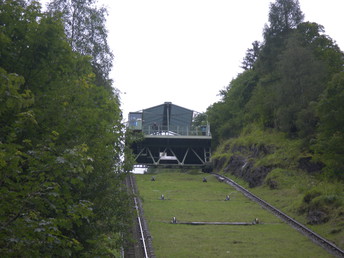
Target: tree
column 329, row 146
column 261, row 108
column 200, row 119
column 324, row 48
column 251, row 56
column 302, row 80
column 86, row 32
column 227, row 116
column 61, row 142
column 34, row 216
column 293, row 82
column 284, row 15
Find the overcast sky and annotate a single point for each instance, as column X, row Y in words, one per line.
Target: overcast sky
column 186, row 51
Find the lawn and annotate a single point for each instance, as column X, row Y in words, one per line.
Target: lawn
column 188, row 198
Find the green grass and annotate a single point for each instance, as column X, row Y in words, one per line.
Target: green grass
column 289, row 197
column 283, row 152
column 293, row 184
column 189, row 199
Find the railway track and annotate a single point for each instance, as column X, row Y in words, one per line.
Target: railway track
column 143, row 246
column 329, row 246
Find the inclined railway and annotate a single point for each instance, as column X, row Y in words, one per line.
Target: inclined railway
column 171, row 138
column 142, row 247
column 327, row 245
column 145, row 248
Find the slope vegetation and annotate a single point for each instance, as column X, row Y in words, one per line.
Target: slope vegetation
column 276, row 169
column 188, row 198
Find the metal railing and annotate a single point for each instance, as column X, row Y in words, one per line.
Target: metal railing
column 176, row 130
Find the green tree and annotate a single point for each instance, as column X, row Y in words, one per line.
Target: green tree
column 86, row 32
column 251, row 56
column 301, row 81
column 200, row 119
column 227, row 117
column 292, row 83
column 61, row 142
column 284, row 15
column 329, row 146
column 294, row 63
column 34, row 215
column 324, row 48
column 261, row 107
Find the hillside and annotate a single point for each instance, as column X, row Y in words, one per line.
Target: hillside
column 293, row 83
column 188, row 198
column 279, row 124
column 279, row 171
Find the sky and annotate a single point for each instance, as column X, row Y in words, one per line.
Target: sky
column 186, row 51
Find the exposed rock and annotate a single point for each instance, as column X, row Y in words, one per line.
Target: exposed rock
column 239, row 148
column 227, row 148
column 308, row 165
column 235, row 164
column 260, row 150
column 240, row 167
column 219, row 163
column 243, row 165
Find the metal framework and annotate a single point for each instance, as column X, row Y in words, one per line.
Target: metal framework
column 170, row 138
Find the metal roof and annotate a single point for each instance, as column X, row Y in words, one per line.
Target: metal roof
column 167, row 115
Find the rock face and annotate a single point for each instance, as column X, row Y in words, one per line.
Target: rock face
column 308, row 165
column 241, row 161
column 243, row 168
column 219, row 163
column 242, row 165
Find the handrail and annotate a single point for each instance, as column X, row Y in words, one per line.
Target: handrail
column 176, row 130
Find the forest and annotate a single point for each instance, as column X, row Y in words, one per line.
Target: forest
column 292, row 83
column 61, row 133
column 62, row 140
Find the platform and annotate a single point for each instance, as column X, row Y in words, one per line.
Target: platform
column 170, row 137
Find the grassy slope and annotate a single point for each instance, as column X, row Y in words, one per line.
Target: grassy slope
column 293, row 184
column 289, row 198
column 189, row 199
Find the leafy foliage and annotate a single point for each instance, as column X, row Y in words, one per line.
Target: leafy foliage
column 291, row 84
column 251, row 56
column 227, row 117
column 284, row 15
column 86, row 33
column 61, row 144
column 330, row 141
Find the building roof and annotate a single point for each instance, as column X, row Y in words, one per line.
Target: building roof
column 167, row 115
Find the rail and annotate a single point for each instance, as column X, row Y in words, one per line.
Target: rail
column 141, row 229
column 144, row 233
column 176, row 130
column 327, row 245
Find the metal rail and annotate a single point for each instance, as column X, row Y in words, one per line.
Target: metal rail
column 143, row 230
column 329, row 246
